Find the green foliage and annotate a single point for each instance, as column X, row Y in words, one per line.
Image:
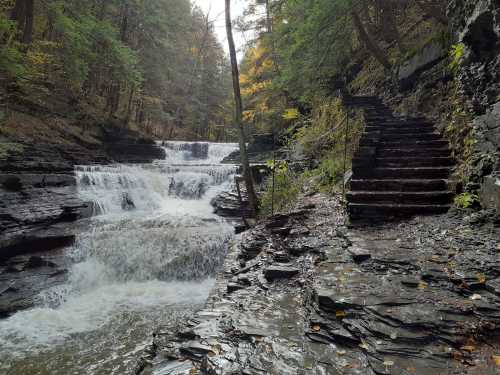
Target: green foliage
column 466, row 200
column 324, row 131
column 456, row 55
column 314, row 45
column 329, row 172
column 11, row 58
column 460, row 132
column 156, row 63
column 9, row 148
column 287, row 187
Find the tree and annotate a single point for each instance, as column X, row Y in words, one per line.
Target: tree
column 22, row 13
column 369, row 42
column 132, row 61
column 247, row 174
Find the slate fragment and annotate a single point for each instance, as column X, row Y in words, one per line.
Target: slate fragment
column 280, row 272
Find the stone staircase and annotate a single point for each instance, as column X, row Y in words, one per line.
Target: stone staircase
column 401, row 168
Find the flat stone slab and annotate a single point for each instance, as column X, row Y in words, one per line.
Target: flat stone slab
column 280, row 272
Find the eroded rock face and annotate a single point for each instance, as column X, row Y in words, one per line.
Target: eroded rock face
column 33, row 216
column 410, row 70
column 476, row 24
column 23, row 277
column 490, row 192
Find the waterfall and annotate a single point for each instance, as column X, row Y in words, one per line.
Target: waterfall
column 183, row 174
column 151, row 248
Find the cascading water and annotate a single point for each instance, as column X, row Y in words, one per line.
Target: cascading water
column 145, row 259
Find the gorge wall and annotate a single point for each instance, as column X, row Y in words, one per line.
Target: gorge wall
column 476, row 26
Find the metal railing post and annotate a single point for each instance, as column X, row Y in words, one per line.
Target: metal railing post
column 345, row 151
column 274, row 172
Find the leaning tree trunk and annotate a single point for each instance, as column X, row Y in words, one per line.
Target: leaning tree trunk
column 247, row 174
column 369, row 42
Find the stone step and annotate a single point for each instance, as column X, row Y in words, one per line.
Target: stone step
column 439, row 161
column 410, row 185
column 404, row 143
column 396, row 122
column 399, row 137
column 404, row 161
column 375, row 211
column 378, row 112
column 410, row 173
column 424, row 128
column 391, row 151
column 398, row 197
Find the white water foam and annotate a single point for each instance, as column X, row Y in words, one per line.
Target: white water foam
column 155, row 252
column 31, row 330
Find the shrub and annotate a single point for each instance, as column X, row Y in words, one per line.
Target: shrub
column 467, row 200
column 287, row 187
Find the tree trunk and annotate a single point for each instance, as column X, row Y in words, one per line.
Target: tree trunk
column 28, row 25
column 18, row 12
column 247, row 173
column 369, row 42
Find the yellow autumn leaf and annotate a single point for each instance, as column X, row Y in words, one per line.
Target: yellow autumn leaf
column 248, row 116
column 291, row 114
column 496, row 360
column 422, row 285
column 340, row 314
column 481, row 278
column 411, row 370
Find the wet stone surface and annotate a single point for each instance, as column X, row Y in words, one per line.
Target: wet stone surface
column 419, row 297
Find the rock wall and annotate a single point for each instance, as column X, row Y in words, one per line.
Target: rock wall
column 38, row 196
column 476, row 25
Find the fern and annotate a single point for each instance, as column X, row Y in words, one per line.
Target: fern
column 466, row 200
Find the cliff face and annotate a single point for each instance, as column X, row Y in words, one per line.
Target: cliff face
column 476, row 25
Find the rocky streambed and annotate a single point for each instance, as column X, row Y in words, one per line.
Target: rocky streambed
column 305, row 294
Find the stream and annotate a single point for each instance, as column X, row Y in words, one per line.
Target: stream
column 147, row 258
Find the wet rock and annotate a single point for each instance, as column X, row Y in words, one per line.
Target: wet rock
column 233, row 287
column 277, row 221
column 411, row 282
column 127, row 202
column 12, row 184
column 195, row 350
column 490, row 192
column 431, row 273
column 281, row 257
column 344, row 317
column 273, row 273
column 493, row 286
column 359, row 254
column 284, row 231
column 252, row 245
column 228, row 204
column 36, row 262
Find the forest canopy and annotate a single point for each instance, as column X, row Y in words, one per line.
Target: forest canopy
column 153, row 64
